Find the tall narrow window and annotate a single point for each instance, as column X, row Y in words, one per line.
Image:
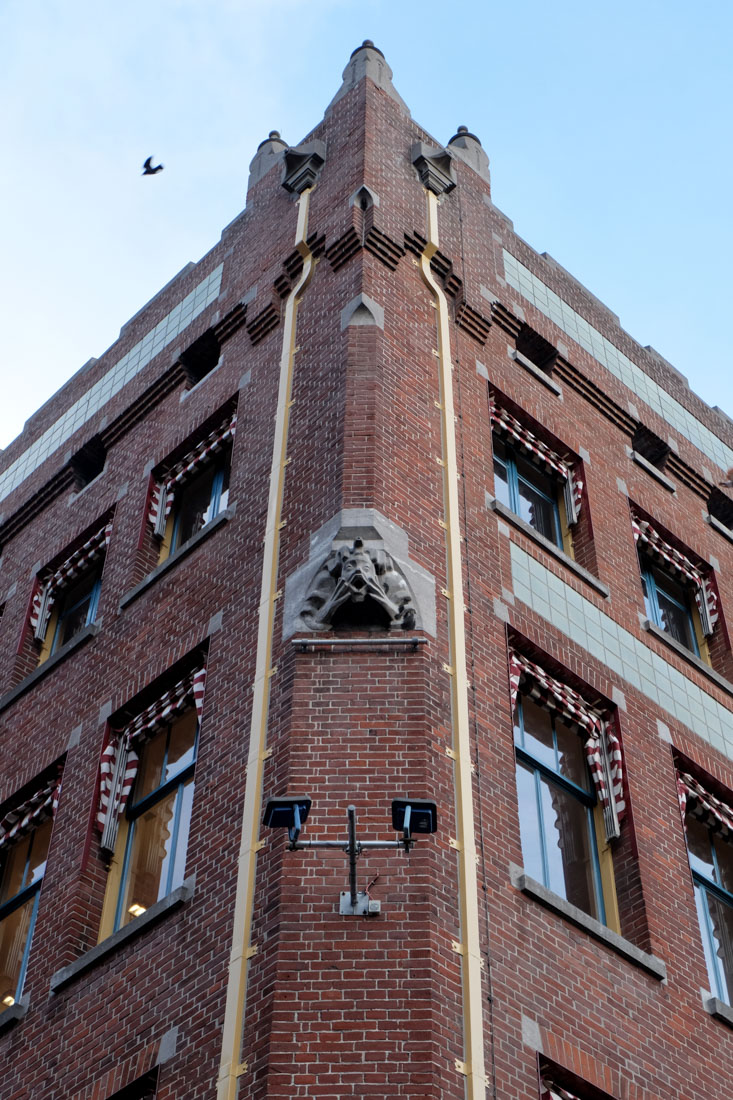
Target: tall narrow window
column 187, row 496
column 25, row 835
column 709, row 829
column 569, row 789
column 679, row 595
column 532, row 481
column 146, row 788
column 158, row 819
column 66, row 600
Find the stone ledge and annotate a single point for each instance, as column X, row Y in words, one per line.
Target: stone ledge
column 541, row 375
column 180, row 553
column 650, row 963
column 726, row 532
column 107, row 947
column 688, row 656
column 13, row 1013
column 48, row 665
column 502, row 510
column 653, row 471
column 719, row 1009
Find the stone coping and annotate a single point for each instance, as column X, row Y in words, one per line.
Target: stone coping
column 38, row 673
column 173, row 559
column 719, row 1009
column 650, row 963
column 516, row 521
column 107, row 947
column 687, row 655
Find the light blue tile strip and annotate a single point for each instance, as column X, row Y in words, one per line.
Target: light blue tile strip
column 112, row 382
column 624, row 654
column 623, row 368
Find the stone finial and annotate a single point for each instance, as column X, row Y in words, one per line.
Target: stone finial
column 367, row 60
column 434, row 168
column 303, row 165
column 269, row 152
column 468, row 147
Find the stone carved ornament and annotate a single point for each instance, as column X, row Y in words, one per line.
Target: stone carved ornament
column 359, row 587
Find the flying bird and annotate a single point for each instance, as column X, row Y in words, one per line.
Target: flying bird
column 149, row 169
column 728, row 483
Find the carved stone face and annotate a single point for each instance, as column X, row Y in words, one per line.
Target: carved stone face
column 357, row 571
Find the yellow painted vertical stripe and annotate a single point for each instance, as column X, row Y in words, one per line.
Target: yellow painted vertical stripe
column 473, row 1066
column 231, row 1066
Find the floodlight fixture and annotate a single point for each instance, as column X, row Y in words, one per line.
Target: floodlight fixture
column 413, row 815
column 287, row 813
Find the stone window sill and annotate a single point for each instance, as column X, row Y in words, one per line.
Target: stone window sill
column 38, row 673
column 650, row 963
column 537, row 372
column 719, row 1009
column 507, row 514
column 726, row 532
column 653, row 471
column 182, row 552
column 685, row 653
column 107, row 947
column 12, row 1014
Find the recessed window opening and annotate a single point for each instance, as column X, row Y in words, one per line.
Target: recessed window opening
column 527, row 491
column 201, row 358
column 535, row 348
column 720, row 507
column 668, row 606
column 650, row 447
column 88, row 463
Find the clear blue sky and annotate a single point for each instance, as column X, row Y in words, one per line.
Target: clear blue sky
column 608, row 127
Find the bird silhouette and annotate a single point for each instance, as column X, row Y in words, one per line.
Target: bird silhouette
column 728, row 483
column 149, row 169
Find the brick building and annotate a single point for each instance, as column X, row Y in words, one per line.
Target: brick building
column 372, row 503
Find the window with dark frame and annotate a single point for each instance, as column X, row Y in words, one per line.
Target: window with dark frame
column 531, row 480
column 569, row 790
column 187, row 495
column 158, row 818
column 66, row 598
column 25, row 836
column 145, row 800
column 708, row 825
column 680, row 597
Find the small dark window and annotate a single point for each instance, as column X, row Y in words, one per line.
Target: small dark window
column 201, row 358
column 144, row 1088
column 535, row 348
column 650, row 447
column 720, row 507
column 88, row 462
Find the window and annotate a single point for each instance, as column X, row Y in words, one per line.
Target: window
column 709, row 829
column 25, row 835
column 158, row 817
column 532, row 481
column 527, row 491
column 679, row 596
column 190, row 494
column 145, row 800
column 66, row 601
column 668, row 606
column 569, row 790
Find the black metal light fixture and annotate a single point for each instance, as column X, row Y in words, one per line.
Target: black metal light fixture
column 287, row 813
column 409, row 815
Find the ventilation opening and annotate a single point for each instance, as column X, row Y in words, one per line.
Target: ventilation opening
column 201, row 358
column 88, row 463
column 534, row 347
column 720, row 507
column 650, row 447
